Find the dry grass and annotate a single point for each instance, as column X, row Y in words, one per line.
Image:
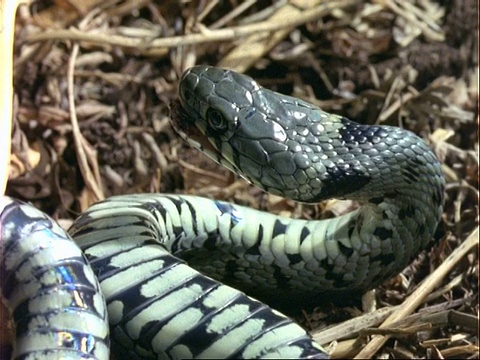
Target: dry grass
column 92, row 85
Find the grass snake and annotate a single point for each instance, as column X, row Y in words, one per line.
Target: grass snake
column 135, row 248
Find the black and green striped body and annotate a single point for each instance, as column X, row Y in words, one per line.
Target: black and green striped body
column 157, row 303
column 49, row 288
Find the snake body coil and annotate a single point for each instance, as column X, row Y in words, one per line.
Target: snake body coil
column 158, row 305
column 49, row 287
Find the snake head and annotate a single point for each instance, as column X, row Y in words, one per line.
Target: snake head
column 268, row 138
column 292, row 148
column 212, row 105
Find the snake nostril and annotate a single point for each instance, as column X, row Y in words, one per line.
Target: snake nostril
column 186, row 95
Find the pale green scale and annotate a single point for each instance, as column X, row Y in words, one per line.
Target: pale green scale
column 14, row 257
column 306, row 247
column 186, row 221
column 219, row 296
column 125, row 279
column 167, row 280
column 180, row 324
column 293, row 235
column 238, row 335
column 162, row 308
column 180, row 351
column 107, row 214
column 202, row 208
column 210, row 221
column 270, row 340
column 115, row 311
column 172, row 219
column 111, row 229
column 318, row 244
column 237, row 233
column 18, row 253
column 44, row 257
column 135, row 255
column 224, row 227
column 267, row 256
column 52, row 301
column 227, row 318
column 105, row 248
column 68, row 320
column 259, row 219
column 249, row 226
column 38, row 341
column 200, row 237
column 285, row 352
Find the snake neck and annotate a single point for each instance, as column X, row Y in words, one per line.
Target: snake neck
column 392, row 172
column 261, row 252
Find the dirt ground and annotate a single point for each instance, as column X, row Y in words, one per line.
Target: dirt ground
column 410, row 63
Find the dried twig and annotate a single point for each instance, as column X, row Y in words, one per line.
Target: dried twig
column 7, row 17
column 190, row 39
column 416, row 18
column 425, row 288
column 257, row 45
column 352, row 326
column 92, row 179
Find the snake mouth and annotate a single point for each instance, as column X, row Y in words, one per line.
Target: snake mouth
column 184, row 125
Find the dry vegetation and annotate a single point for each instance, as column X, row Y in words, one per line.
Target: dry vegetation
column 93, row 81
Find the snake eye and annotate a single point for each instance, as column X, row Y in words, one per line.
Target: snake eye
column 216, row 120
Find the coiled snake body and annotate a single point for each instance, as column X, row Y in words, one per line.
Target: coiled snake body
column 159, row 306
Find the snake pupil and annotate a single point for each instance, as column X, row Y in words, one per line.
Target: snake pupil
column 215, row 120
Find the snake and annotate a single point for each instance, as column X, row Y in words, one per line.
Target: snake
column 166, row 269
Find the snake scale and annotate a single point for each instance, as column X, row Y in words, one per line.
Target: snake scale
column 135, row 248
